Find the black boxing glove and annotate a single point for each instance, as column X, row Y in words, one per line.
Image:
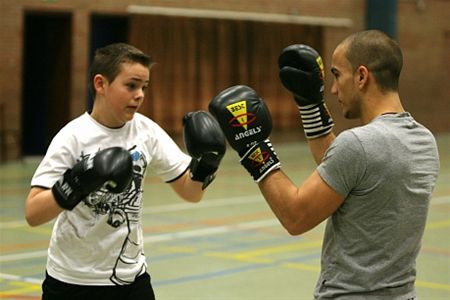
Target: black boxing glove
column 205, row 142
column 302, row 73
column 246, row 122
column 111, row 168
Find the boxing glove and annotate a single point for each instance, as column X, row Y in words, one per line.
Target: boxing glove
column 246, row 122
column 111, row 168
column 205, row 142
column 302, row 72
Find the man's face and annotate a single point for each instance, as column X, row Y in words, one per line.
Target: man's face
column 344, row 84
column 125, row 94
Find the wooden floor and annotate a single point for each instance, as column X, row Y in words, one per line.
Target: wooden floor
column 229, row 246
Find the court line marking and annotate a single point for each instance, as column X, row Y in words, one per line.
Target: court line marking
column 441, row 200
column 204, row 204
column 438, row 224
column 20, row 278
column 433, row 285
column 254, row 263
column 166, row 237
column 195, row 232
column 20, row 286
column 171, row 207
column 211, row 231
column 23, row 256
column 259, row 255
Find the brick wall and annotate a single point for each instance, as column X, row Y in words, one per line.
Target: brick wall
column 423, row 32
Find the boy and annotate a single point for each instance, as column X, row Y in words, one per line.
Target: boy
column 91, row 180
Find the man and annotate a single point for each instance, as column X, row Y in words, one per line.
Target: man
column 373, row 182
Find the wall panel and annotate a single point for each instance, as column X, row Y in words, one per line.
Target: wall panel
column 198, row 58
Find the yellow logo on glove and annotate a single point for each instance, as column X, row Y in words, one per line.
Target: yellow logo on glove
column 258, row 156
column 321, row 67
column 239, row 111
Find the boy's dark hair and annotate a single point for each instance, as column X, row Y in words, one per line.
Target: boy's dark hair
column 380, row 54
column 107, row 61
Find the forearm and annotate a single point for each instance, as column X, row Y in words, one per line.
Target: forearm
column 319, row 146
column 41, row 207
column 282, row 195
column 188, row 189
column 299, row 209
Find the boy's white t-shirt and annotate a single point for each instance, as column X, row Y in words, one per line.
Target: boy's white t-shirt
column 100, row 241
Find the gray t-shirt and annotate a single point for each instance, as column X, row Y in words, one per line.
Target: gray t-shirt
column 386, row 170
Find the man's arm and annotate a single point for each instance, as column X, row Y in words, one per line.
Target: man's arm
column 319, row 146
column 302, row 72
column 299, row 209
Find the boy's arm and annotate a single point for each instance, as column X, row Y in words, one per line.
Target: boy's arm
column 111, row 168
column 205, row 143
column 188, row 189
column 41, row 206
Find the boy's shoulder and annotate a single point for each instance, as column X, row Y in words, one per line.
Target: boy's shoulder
column 77, row 124
column 142, row 120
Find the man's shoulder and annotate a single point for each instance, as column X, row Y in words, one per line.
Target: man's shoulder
column 363, row 134
column 349, row 135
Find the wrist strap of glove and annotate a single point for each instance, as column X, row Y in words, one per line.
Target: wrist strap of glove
column 260, row 160
column 202, row 171
column 67, row 193
column 316, row 120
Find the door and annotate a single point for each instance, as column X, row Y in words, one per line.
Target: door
column 46, row 79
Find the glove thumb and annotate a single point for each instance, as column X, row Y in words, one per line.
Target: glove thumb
column 295, row 80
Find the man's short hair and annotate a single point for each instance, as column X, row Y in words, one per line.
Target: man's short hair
column 380, row 54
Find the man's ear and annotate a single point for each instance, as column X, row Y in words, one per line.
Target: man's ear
column 362, row 74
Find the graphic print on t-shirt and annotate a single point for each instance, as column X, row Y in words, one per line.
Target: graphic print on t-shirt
column 123, row 209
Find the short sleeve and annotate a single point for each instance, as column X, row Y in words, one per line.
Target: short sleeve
column 344, row 164
column 57, row 160
column 168, row 161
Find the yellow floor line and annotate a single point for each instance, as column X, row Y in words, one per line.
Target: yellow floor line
column 254, row 256
column 284, row 248
column 22, row 289
column 301, row 266
column 438, row 224
column 433, row 285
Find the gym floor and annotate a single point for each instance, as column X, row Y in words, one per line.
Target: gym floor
column 227, row 247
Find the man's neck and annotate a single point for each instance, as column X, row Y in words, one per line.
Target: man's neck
column 380, row 103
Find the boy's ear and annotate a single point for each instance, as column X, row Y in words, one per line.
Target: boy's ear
column 99, row 83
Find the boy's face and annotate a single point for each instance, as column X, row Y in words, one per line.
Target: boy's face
column 124, row 95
